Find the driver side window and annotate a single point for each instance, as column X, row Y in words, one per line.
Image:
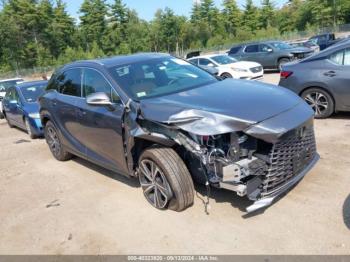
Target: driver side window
column 94, row 82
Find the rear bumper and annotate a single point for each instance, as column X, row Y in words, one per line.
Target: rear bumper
column 264, row 202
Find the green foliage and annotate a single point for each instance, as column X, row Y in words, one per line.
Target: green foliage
column 41, row 32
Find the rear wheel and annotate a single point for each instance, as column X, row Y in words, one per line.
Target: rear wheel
column 320, row 101
column 9, row 122
column 165, row 180
column 226, row 75
column 54, row 142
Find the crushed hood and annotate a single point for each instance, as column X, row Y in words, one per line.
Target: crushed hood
column 221, row 107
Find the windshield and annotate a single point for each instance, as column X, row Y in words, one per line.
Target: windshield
column 281, row 45
column 6, row 84
column 32, row 93
column 223, row 59
column 159, row 77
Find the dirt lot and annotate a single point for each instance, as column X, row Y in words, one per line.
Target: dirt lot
column 48, row 207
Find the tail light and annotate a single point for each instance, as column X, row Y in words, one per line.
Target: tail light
column 286, row 74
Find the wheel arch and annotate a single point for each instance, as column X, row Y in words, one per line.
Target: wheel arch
column 45, row 117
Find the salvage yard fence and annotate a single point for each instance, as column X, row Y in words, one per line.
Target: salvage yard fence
column 29, row 73
column 340, row 31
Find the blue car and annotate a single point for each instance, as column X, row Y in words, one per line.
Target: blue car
column 21, row 107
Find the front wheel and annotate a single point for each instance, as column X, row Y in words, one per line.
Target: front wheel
column 320, row 101
column 165, row 179
column 226, row 75
column 29, row 129
column 54, row 142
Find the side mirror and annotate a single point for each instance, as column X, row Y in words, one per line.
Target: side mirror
column 98, row 99
column 13, row 102
column 211, row 65
column 269, row 50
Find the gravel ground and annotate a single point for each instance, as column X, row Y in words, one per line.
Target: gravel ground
column 48, row 207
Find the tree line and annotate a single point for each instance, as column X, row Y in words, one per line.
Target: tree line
column 42, row 33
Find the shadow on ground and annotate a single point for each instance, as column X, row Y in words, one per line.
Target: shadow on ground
column 346, row 212
column 108, row 173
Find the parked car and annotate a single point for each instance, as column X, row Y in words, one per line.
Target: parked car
column 325, row 40
column 322, row 80
column 21, row 107
column 305, row 43
column 270, row 54
column 165, row 121
column 4, row 85
column 229, row 67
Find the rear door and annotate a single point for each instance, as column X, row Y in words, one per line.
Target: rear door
column 337, row 77
column 102, row 132
column 63, row 106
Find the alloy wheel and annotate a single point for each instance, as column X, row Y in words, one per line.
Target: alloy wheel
column 154, row 184
column 53, row 141
column 318, row 102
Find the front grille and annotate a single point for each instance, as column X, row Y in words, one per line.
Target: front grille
column 256, row 69
column 288, row 158
column 1, row 98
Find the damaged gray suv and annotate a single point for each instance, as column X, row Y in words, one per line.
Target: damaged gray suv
column 167, row 122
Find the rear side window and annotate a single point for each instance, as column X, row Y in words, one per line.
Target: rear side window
column 252, row 49
column 69, row 82
column 94, row 82
column 204, row 62
column 341, row 57
column 234, row 50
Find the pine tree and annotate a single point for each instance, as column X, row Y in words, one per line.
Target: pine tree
column 232, row 16
column 250, row 16
column 267, row 14
column 93, row 22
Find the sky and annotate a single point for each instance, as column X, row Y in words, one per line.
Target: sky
column 147, row 8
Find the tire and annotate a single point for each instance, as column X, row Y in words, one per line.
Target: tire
column 281, row 62
column 29, row 129
column 320, row 101
column 9, row 122
column 55, row 144
column 226, row 75
column 2, row 116
column 170, row 181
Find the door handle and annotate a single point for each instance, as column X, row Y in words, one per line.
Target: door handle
column 330, row 73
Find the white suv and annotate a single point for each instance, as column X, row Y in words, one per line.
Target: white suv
column 229, row 67
column 4, row 85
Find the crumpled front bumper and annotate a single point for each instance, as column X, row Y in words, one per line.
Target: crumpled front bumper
column 264, row 202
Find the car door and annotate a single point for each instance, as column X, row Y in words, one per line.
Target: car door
column 251, row 53
column 337, row 76
column 15, row 111
column 101, row 126
column 63, row 106
column 267, row 56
